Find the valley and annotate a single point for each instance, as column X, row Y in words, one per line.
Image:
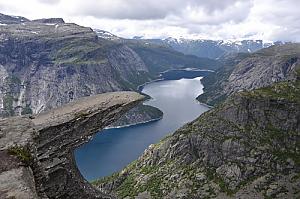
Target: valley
column 247, row 146
column 50, row 63
column 110, row 145
column 85, row 113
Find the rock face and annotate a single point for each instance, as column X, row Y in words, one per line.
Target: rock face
column 252, row 71
column 255, row 71
column 37, row 152
column 43, row 66
column 248, row 147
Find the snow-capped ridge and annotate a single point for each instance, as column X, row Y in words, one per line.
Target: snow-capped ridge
column 106, row 35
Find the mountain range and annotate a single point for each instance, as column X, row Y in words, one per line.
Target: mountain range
column 212, row 49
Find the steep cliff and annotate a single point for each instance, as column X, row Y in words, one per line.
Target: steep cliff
column 37, row 152
column 46, row 65
column 251, row 71
column 247, row 147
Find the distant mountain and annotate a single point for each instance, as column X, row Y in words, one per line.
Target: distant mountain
column 8, row 19
column 211, row 48
column 158, row 56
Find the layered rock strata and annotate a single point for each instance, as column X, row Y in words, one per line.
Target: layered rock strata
column 37, row 152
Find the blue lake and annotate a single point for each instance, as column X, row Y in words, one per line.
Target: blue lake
column 111, row 150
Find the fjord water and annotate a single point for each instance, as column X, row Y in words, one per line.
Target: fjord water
column 112, row 149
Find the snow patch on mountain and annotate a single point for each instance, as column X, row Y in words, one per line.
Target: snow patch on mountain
column 106, row 35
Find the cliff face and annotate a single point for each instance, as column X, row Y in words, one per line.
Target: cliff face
column 264, row 68
column 46, row 65
column 37, row 152
column 252, row 71
column 248, row 147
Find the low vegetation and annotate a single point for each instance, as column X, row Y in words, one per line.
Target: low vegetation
column 287, row 90
column 23, row 154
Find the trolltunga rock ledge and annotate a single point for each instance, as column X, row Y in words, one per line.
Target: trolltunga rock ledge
column 36, row 152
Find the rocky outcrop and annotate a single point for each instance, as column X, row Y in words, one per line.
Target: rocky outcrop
column 37, row 152
column 139, row 114
column 251, row 71
column 248, row 147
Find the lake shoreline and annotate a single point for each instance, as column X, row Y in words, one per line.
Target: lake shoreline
column 161, row 78
column 134, row 124
column 150, row 97
column 109, row 151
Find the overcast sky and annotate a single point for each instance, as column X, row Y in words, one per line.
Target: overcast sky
column 208, row 19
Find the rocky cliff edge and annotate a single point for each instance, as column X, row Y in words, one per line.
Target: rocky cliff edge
column 36, row 152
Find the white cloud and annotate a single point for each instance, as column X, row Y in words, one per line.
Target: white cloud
column 214, row 19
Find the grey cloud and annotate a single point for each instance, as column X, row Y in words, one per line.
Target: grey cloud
column 127, row 9
column 213, row 5
column 258, row 19
column 285, row 15
column 286, row 35
column 49, row 1
column 150, row 9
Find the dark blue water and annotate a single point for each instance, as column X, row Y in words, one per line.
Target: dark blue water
column 113, row 149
